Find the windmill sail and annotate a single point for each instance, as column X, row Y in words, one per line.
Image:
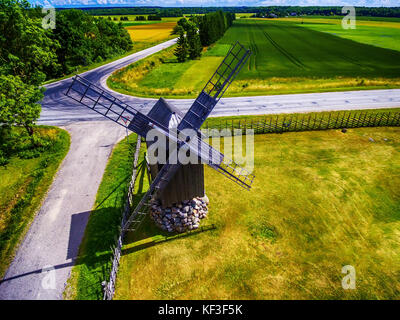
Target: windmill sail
column 215, row 87
column 100, row 101
column 116, row 110
column 213, row 91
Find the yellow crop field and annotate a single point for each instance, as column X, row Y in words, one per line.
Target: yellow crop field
column 151, row 32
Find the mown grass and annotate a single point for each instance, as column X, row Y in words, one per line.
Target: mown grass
column 287, row 58
column 24, row 181
column 384, row 34
column 94, row 254
column 321, row 200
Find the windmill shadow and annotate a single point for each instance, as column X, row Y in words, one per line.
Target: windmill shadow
column 158, row 237
column 76, row 232
column 97, row 259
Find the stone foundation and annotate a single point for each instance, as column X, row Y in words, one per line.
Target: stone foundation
column 180, row 217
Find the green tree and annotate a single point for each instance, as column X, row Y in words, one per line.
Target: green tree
column 183, row 23
column 85, row 39
column 19, row 102
column 193, row 40
column 26, row 50
column 181, row 50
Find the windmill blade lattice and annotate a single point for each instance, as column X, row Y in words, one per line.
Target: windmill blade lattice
column 125, row 115
column 215, row 87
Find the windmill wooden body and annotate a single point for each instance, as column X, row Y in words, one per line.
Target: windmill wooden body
column 169, row 181
column 188, row 182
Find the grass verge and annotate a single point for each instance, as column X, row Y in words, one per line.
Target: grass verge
column 24, row 181
column 137, row 46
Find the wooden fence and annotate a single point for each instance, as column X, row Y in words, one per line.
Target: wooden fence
column 109, row 286
column 307, row 122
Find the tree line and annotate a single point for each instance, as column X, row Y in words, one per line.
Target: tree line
column 200, row 31
column 283, row 11
column 30, row 55
column 278, row 10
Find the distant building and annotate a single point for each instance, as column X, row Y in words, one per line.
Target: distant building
column 293, row 14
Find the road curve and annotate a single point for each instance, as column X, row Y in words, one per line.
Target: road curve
column 59, row 109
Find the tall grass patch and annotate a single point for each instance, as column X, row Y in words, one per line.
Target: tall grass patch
column 26, row 172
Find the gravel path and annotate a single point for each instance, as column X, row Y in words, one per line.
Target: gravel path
column 54, row 237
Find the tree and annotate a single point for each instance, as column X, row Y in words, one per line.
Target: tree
column 84, row 39
column 19, row 102
column 193, row 40
column 27, row 50
column 212, row 26
column 183, row 23
column 181, row 51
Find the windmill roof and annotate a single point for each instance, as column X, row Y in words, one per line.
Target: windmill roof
column 166, row 114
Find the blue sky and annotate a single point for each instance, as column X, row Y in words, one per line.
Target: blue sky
column 197, row 3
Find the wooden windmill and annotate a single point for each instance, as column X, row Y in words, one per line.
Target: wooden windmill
column 173, row 182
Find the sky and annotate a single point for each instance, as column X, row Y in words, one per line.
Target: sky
column 211, row 3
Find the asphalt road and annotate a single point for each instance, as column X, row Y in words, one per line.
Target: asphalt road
column 61, row 110
column 45, row 257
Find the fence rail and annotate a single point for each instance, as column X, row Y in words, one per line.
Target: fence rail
column 109, row 286
column 307, row 122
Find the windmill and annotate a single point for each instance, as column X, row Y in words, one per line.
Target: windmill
column 172, row 174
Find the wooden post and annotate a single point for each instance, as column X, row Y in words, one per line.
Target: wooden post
column 329, row 120
column 265, row 124
column 341, row 124
column 337, row 120
column 308, row 123
column 270, row 124
column 380, row 120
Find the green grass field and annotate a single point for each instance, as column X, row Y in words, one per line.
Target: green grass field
column 380, row 33
column 287, row 58
column 312, row 190
column 24, row 182
column 321, row 200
